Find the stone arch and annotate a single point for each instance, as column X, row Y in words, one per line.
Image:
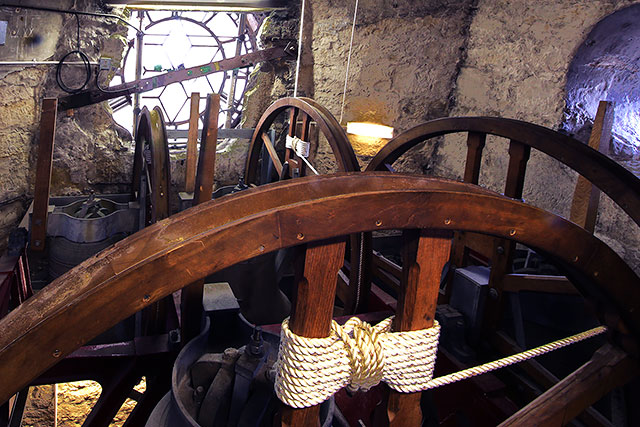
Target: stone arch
column 606, row 66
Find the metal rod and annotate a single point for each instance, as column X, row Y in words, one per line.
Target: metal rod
column 33, row 63
column 139, row 44
column 234, row 73
column 72, row 12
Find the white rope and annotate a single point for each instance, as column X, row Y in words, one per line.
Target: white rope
column 301, row 148
column 310, row 370
column 357, row 355
column 346, row 76
column 516, row 358
column 295, row 87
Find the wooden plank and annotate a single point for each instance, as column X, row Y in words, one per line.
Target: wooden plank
column 609, row 368
column 316, row 278
column 543, row 377
column 538, row 283
column 424, row 255
column 461, row 243
column 475, row 145
column 207, row 158
column 586, row 197
column 504, row 249
column 272, row 153
column 192, row 144
column 43, row 174
column 191, row 296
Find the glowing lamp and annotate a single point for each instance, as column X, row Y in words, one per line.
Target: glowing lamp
column 370, row 129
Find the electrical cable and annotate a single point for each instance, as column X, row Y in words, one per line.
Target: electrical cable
column 83, row 57
column 72, row 12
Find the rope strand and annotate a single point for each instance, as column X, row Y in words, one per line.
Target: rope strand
column 359, row 356
column 346, row 76
column 295, row 88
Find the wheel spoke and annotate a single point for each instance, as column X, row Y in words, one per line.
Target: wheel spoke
column 272, row 153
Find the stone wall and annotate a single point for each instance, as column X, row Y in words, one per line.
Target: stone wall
column 415, row 61
column 91, row 153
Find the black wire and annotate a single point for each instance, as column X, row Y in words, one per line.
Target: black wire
column 85, row 60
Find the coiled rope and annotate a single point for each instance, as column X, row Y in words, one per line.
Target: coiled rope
column 359, row 356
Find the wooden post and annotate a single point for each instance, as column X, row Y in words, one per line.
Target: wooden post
column 425, row 253
column 316, row 279
column 192, row 144
column 586, row 197
column 43, row 173
column 191, row 298
column 504, row 249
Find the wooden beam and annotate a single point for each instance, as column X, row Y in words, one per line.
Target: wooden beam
column 316, row 279
column 425, row 253
column 207, row 159
column 272, row 153
column 43, row 173
column 191, row 297
column 609, row 368
column 586, row 197
column 192, row 144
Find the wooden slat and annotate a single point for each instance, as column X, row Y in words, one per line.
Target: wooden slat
column 207, row 158
column 191, row 297
column 316, row 278
column 425, row 253
column 543, row 377
column 461, row 241
column 475, row 145
column 538, row 283
column 272, row 153
column 504, row 249
column 608, row 368
column 43, row 173
column 586, row 197
column 192, row 144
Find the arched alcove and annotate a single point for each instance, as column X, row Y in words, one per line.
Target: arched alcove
column 607, row 67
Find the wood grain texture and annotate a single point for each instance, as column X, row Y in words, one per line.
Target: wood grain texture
column 608, row 368
column 424, row 255
column 166, row 256
column 586, row 197
column 192, row 144
column 316, row 279
column 207, row 158
column 43, row 174
column 191, row 298
column 622, row 186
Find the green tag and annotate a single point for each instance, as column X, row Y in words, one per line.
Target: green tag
column 205, row 69
column 189, row 72
column 157, row 68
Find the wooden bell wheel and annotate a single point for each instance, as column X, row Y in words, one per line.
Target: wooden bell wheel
column 616, row 181
column 285, row 162
column 269, row 161
column 151, row 167
column 315, row 212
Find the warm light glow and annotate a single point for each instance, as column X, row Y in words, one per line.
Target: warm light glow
column 370, row 129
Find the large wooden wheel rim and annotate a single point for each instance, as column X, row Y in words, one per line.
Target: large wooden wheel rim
column 617, row 182
column 306, row 110
column 142, row 268
column 151, row 136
